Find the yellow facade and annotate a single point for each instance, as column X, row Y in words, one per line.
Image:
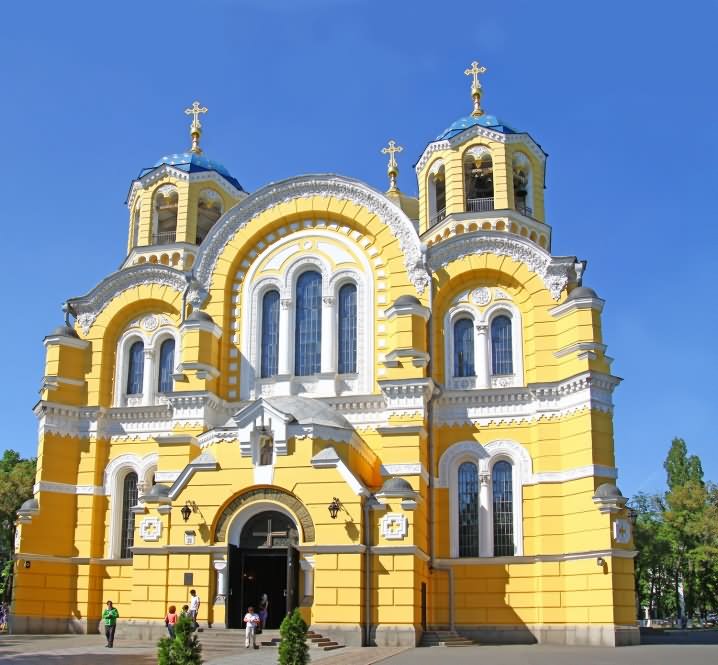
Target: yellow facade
column 424, row 365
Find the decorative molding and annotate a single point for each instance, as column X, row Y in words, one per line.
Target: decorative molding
column 88, row 307
column 536, row 558
column 622, row 531
column 328, row 459
column 400, row 550
column 205, row 462
column 66, row 488
column 394, row 526
column 324, row 186
column 405, row 469
column 151, row 529
column 408, row 396
column 588, row 348
column 556, row 272
column 579, row 303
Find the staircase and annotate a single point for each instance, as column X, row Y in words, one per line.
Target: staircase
column 218, row 642
column 444, row 638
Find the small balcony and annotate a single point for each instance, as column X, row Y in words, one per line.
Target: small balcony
column 524, row 210
column 484, row 204
column 164, row 237
column 438, row 217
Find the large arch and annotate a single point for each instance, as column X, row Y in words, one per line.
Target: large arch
column 321, row 185
column 267, row 498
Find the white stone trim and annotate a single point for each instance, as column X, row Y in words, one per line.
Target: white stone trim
column 537, row 558
column 405, row 469
column 579, row 303
column 324, row 186
column 151, row 529
column 555, row 272
column 65, row 340
column 67, row 488
column 588, row 349
column 329, row 459
column 166, row 476
column 239, row 521
column 397, row 520
column 400, row 550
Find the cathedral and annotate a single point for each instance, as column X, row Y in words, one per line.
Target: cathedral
column 391, row 412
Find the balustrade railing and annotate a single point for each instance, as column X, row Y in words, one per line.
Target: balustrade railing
column 164, row 237
column 484, row 204
column 438, row 217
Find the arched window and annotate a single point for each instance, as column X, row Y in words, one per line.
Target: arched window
column 270, row 334
column 136, row 369
column 479, row 180
column 167, row 363
column 136, row 226
column 308, row 330
column 166, row 202
column 502, row 482
column 501, row 348
column 129, row 499
column 347, row 329
column 464, row 348
column 521, row 168
column 209, row 210
column 437, row 194
column 468, row 510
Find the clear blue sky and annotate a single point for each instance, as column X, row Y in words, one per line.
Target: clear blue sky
column 622, row 95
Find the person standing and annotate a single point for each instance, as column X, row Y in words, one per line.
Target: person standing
column 171, row 620
column 109, row 617
column 263, row 611
column 251, row 620
column 194, row 603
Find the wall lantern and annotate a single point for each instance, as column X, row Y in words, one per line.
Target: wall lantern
column 186, row 511
column 334, row 507
column 600, row 561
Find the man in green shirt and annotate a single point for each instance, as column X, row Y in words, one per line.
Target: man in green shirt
column 109, row 617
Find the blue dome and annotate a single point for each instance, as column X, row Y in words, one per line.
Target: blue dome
column 193, row 163
column 458, row 126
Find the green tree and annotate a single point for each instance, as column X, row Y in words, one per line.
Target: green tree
column 293, row 649
column 184, row 649
column 680, row 467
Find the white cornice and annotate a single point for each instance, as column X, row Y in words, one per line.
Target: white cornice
column 537, row 558
column 589, row 348
column 588, row 390
column 64, row 340
column 66, row 488
column 579, row 303
column 325, row 186
column 556, row 272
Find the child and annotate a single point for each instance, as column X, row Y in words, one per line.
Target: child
column 185, row 611
column 171, row 620
column 252, row 621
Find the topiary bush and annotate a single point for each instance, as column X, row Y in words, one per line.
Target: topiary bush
column 184, row 649
column 293, row 649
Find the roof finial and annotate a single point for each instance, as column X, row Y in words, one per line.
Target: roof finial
column 392, row 169
column 195, row 129
column 474, row 71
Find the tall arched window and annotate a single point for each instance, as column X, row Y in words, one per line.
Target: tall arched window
column 502, row 482
column 501, row 348
column 347, row 329
column 136, row 226
column 129, row 499
column 167, row 364
column 166, row 206
column 479, row 180
column 308, row 330
column 136, row 369
column 464, row 348
column 270, row 334
column 468, row 510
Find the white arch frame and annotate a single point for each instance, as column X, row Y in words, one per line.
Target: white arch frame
column 506, row 308
column 431, row 178
column 115, row 473
column 485, row 456
column 162, row 190
column 520, row 157
column 251, row 385
column 239, row 521
column 453, row 314
column 152, row 342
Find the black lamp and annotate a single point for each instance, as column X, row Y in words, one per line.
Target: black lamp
column 186, row 511
column 334, row 507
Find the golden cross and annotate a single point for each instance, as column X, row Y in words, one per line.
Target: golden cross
column 474, row 71
column 392, row 168
column 194, row 111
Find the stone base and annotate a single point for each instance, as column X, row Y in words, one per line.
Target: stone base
column 395, row 636
column 24, row 625
column 349, row 634
column 595, row 635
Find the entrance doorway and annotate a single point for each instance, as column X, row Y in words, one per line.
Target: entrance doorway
column 265, row 562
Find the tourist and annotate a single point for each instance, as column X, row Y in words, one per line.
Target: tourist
column 263, row 611
column 109, row 617
column 194, row 608
column 171, row 620
column 251, row 619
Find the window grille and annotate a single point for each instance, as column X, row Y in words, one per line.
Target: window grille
column 464, row 348
column 503, row 509
column 468, row 510
column 270, row 334
column 308, row 330
column 136, row 369
column 347, row 329
column 501, row 350
column 167, row 363
column 129, row 499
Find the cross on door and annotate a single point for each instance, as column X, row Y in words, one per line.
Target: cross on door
column 269, row 535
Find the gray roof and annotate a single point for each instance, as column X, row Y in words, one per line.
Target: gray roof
column 395, row 486
column 309, row 411
column 65, row 331
column 582, row 292
column 608, row 491
column 30, row 504
column 198, row 315
column 158, row 491
column 406, row 300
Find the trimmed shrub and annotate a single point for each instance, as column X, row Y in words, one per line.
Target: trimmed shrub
column 293, row 649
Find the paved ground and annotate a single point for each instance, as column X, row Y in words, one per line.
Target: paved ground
column 669, row 648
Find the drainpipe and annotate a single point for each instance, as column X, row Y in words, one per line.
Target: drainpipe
column 366, row 638
column 430, row 444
